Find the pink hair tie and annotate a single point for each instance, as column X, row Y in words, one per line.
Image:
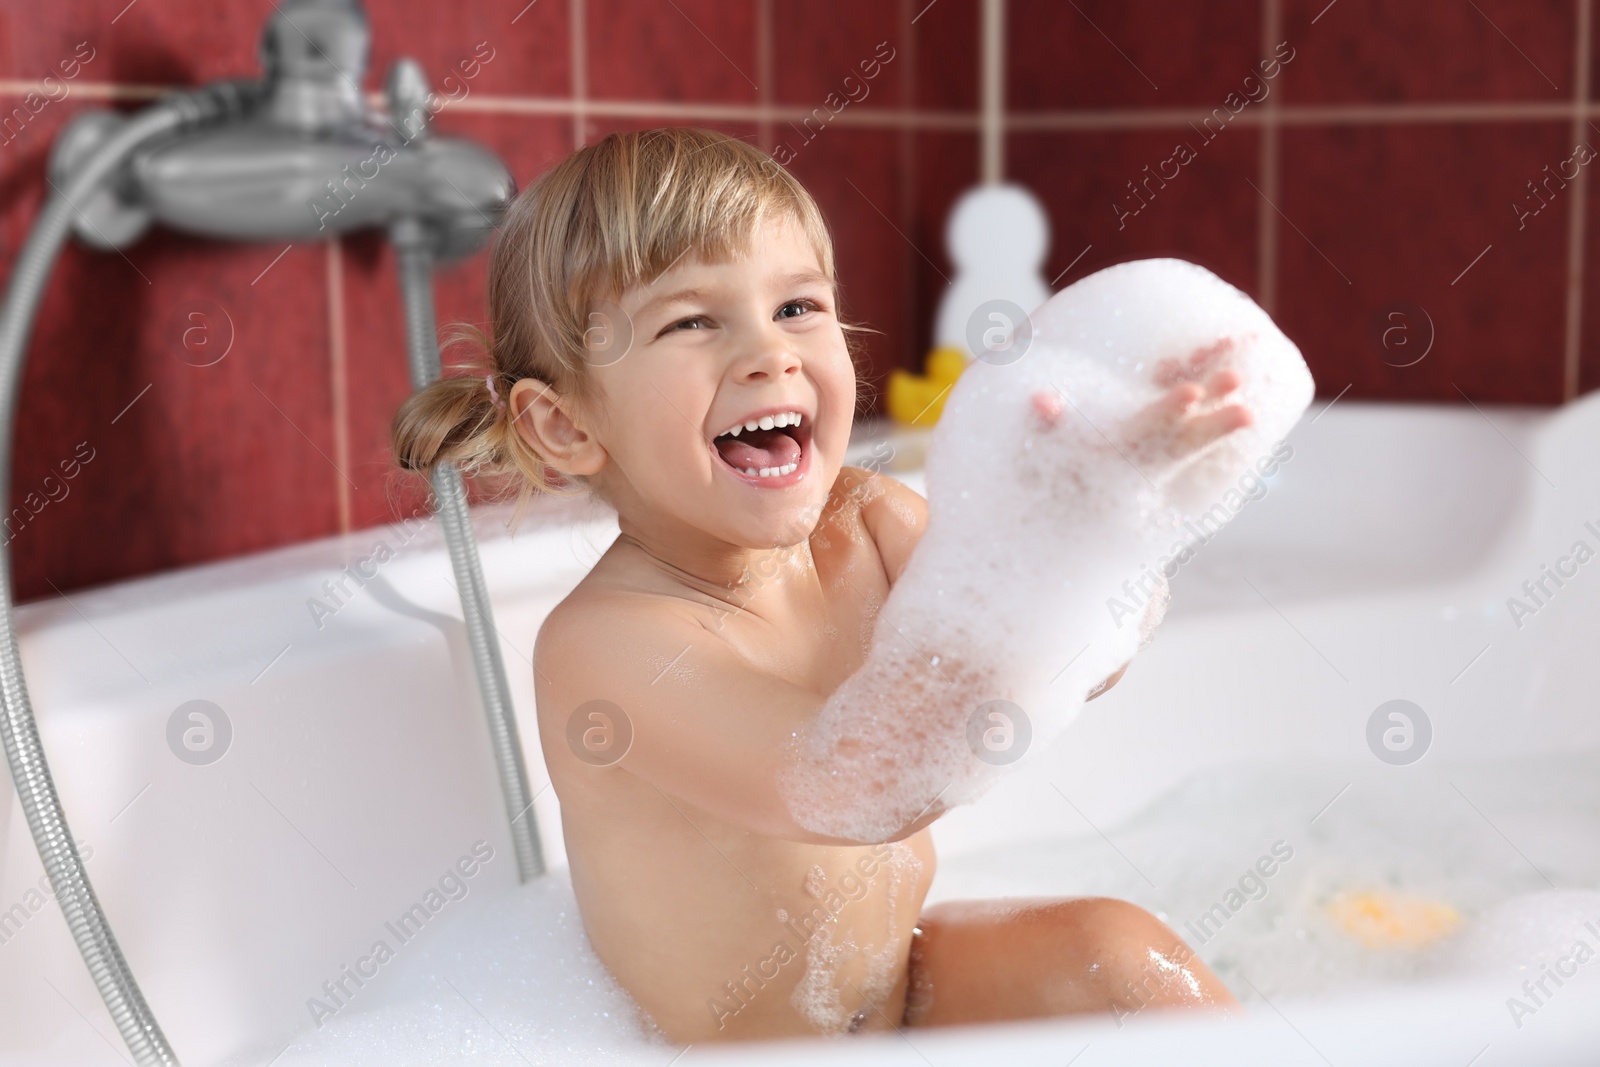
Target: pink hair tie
column 499, row 403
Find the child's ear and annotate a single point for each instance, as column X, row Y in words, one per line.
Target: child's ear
column 543, row 419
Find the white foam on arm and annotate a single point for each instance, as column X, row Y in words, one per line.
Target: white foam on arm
column 1035, row 521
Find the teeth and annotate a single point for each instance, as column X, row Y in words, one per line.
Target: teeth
column 766, row 422
column 772, row 472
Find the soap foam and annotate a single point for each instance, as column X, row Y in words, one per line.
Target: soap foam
column 1045, row 495
column 1528, row 934
column 819, row 997
column 1397, row 835
column 511, row 983
column 524, row 962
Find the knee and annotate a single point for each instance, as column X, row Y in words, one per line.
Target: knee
column 1141, row 961
column 1121, row 926
column 1034, row 957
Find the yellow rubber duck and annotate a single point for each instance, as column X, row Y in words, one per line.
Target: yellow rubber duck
column 1381, row 920
column 918, row 399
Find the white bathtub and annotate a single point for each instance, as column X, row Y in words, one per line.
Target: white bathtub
column 1378, row 567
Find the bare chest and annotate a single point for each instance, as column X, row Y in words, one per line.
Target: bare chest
column 810, row 625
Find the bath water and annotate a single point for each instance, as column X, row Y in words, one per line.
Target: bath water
column 1401, row 876
column 1413, row 873
column 513, row 982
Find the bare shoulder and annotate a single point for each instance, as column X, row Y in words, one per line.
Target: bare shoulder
column 893, row 514
column 691, row 714
column 583, row 634
column 601, row 643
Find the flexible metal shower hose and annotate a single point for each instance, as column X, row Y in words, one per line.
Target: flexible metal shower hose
column 24, row 753
column 414, row 249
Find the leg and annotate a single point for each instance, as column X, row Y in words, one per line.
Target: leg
column 989, row 960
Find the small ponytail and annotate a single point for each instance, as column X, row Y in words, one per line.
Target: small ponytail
column 459, row 419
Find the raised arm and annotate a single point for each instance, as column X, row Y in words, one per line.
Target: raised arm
column 997, row 623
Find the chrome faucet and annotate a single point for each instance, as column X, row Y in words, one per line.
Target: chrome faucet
column 308, row 158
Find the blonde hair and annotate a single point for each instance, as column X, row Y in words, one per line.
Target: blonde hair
column 610, row 215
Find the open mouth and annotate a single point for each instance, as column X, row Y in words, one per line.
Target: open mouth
column 769, row 448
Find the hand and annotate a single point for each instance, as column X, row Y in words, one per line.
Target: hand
column 1192, row 413
column 1201, row 363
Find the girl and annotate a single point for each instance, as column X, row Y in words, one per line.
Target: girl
column 665, row 333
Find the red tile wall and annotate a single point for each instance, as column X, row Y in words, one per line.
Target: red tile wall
column 1376, row 177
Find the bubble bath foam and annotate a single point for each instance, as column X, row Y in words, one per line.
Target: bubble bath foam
column 1046, row 494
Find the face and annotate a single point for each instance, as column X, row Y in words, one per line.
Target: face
column 730, row 412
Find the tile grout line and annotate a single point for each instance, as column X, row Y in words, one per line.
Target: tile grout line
column 906, row 347
column 339, row 380
column 1571, row 363
column 1067, row 120
column 1301, row 115
column 764, row 64
column 579, row 45
column 991, row 91
column 1266, row 216
column 908, row 195
column 852, row 116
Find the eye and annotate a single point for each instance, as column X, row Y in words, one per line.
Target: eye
column 694, row 322
column 803, row 306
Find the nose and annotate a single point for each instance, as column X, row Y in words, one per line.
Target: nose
column 770, row 356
